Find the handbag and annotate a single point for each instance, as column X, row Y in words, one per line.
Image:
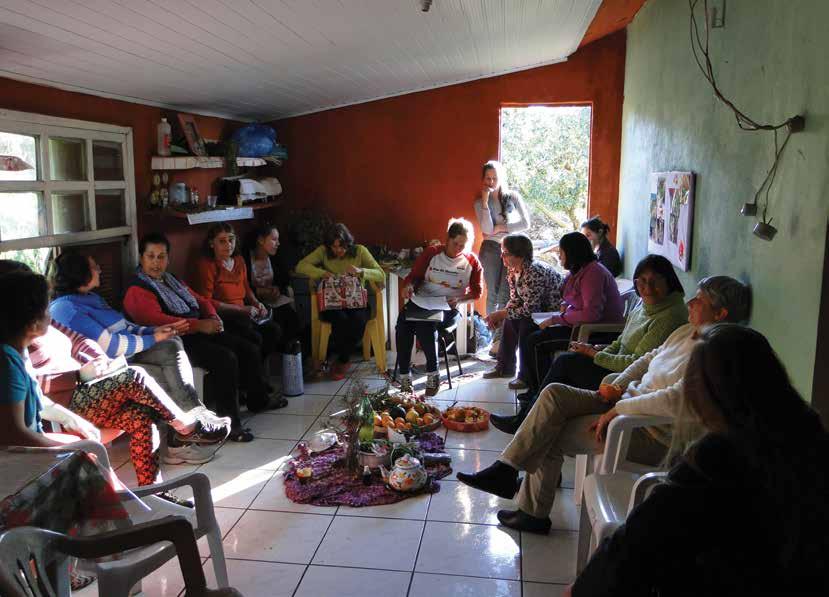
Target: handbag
column 341, row 292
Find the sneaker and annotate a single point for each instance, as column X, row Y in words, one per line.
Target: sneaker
column 406, row 383
column 188, row 454
column 174, row 499
column 497, row 373
column 432, row 383
column 517, row 384
column 207, row 431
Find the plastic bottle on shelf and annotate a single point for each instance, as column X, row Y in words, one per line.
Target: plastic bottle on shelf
column 163, row 137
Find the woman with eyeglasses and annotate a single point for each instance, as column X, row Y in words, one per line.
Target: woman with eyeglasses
column 339, row 255
column 659, row 312
column 534, row 287
column 221, row 275
column 589, row 295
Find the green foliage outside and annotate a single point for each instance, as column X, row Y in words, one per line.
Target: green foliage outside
column 546, row 153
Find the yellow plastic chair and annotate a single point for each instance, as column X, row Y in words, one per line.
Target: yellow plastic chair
column 374, row 337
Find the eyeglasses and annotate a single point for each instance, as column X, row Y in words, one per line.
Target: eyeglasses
column 505, row 253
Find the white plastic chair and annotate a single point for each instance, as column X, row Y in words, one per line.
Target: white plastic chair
column 34, row 562
column 618, row 487
column 117, row 577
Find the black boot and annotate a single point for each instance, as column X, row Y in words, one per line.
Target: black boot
column 520, row 521
column 511, row 424
column 499, row 479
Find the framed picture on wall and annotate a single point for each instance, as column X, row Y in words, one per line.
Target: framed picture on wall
column 670, row 229
column 191, row 133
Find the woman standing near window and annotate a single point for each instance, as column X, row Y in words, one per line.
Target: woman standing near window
column 500, row 211
column 596, row 232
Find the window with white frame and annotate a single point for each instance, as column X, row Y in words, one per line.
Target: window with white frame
column 63, row 182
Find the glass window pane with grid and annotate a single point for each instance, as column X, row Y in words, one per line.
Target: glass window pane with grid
column 63, row 182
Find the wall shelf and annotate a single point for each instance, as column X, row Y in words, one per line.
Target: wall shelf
column 220, row 214
column 190, row 161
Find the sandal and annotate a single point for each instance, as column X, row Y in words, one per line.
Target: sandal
column 240, row 435
column 277, row 402
column 78, row 581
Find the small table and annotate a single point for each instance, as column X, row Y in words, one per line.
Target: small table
column 55, row 491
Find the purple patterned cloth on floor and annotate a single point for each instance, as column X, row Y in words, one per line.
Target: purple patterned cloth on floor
column 332, row 485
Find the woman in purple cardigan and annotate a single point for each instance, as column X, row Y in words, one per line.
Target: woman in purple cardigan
column 589, row 295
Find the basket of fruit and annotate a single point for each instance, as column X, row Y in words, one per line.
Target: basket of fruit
column 408, row 417
column 465, row 418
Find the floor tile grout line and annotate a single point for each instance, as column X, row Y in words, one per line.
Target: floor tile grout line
column 313, row 555
column 419, row 545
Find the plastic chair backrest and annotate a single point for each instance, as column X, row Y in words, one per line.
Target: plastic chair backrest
column 31, row 565
column 631, row 299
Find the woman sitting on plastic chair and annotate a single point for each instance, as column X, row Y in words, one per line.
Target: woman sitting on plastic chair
column 337, row 256
column 567, row 420
column 661, row 310
column 129, row 399
column 744, row 512
column 449, row 271
column 589, row 295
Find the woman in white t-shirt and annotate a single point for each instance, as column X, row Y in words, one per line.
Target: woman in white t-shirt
column 450, row 271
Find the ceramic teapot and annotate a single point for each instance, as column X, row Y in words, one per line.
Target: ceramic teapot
column 408, row 474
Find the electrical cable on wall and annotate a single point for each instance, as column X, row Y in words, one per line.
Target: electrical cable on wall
column 795, row 124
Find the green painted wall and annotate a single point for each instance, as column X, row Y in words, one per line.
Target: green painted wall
column 771, row 62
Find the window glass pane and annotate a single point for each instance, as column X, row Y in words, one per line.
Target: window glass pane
column 36, row 259
column 69, row 212
column 106, row 161
column 109, row 209
column 18, row 157
column 22, row 215
column 67, row 158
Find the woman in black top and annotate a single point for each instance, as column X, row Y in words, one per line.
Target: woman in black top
column 746, row 510
column 596, row 232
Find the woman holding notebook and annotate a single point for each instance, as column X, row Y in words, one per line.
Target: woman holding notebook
column 443, row 277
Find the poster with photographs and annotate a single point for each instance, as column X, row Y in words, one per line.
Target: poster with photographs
column 671, row 216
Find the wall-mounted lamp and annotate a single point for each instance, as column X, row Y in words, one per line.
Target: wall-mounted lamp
column 765, row 230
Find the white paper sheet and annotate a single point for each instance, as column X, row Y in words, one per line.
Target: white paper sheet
column 433, row 303
column 282, row 299
column 539, row 317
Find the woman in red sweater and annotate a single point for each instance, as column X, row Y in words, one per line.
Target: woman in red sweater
column 221, row 275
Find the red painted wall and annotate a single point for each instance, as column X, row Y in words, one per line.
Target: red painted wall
column 27, row 97
column 395, row 170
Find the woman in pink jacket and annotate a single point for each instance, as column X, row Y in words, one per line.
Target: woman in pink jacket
column 589, row 295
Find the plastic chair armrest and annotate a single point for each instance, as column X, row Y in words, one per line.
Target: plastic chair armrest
column 643, row 487
column 582, row 332
column 200, row 484
column 87, row 445
column 616, row 444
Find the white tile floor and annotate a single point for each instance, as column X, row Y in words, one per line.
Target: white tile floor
column 440, row 545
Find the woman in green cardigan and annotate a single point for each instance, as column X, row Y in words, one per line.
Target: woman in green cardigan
column 339, row 255
column 660, row 311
